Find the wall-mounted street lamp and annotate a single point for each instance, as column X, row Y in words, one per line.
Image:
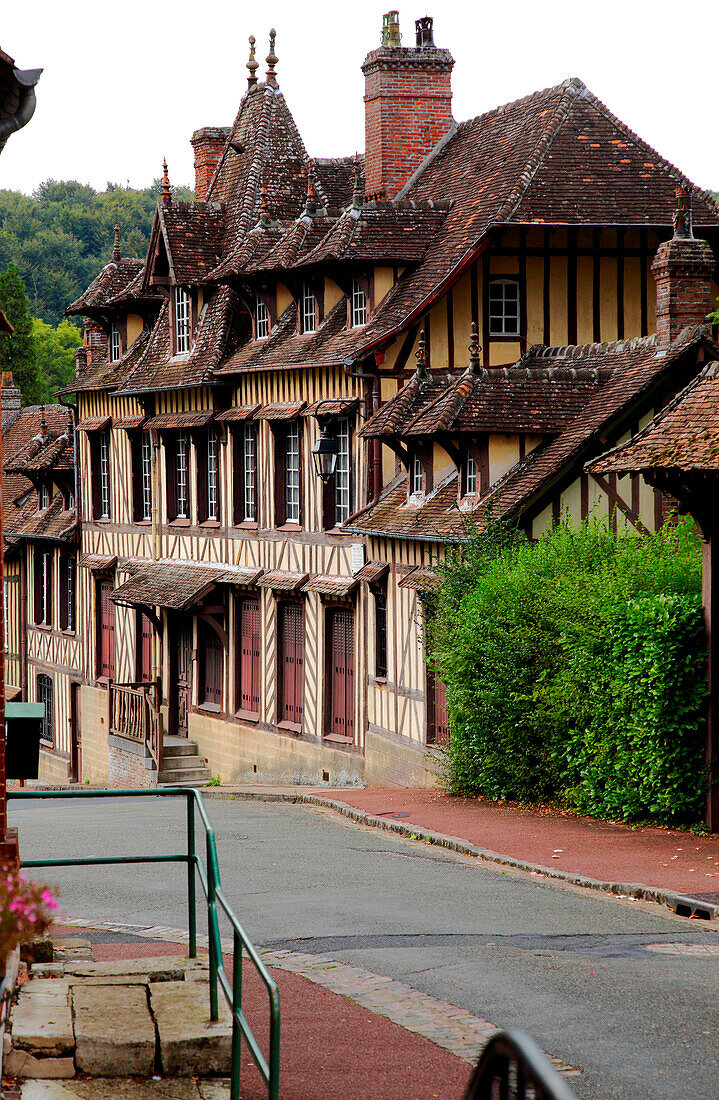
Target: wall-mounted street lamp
column 324, row 452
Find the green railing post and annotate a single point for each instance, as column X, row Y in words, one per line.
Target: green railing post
column 191, row 899
column 236, row 1008
column 273, row 1083
column 212, row 925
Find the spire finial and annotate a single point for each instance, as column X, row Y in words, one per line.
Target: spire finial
column 272, row 60
column 474, row 350
column 265, row 219
column 310, row 202
column 682, row 216
column 357, row 189
column 253, row 65
column 166, row 190
column 421, row 357
column 116, row 253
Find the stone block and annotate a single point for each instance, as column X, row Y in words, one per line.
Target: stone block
column 21, row 1063
column 114, row 1032
column 189, row 1042
column 47, row 970
column 163, row 968
column 117, row 1089
column 42, row 1020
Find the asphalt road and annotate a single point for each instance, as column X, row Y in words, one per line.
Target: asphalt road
column 578, row 970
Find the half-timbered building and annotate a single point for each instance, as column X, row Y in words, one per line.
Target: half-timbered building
column 286, row 409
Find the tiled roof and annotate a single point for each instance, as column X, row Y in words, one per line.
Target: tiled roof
column 100, row 373
column 638, row 368
column 177, row 585
column 300, row 239
column 335, row 176
column 280, row 410
column 372, row 571
column 168, row 421
column 114, row 278
column 55, row 522
column 129, row 423
column 98, row 563
column 283, row 580
column 415, row 396
column 193, row 233
column 419, row 578
column 327, row 585
column 683, row 436
column 94, row 423
column 23, row 440
column 380, row 232
column 238, row 412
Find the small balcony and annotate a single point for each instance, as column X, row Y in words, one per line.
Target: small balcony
column 135, row 715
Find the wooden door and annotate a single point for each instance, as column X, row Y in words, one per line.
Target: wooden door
column 75, row 753
column 212, row 656
column 292, row 661
column 248, row 655
column 182, row 680
column 340, row 723
column 143, row 641
column 437, row 716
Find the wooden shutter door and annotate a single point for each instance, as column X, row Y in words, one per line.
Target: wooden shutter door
column 212, row 667
column 249, row 650
column 341, row 641
column 144, row 644
column 107, row 628
column 438, row 717
column 292, row 664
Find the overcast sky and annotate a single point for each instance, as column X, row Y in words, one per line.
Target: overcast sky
column 126, row 83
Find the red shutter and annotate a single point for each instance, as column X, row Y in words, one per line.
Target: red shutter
column 106, row 631
column 249, row 652
column 341, row 641
column 438, row 717
column 212, row 667
column 292, row 660
column 143, row 642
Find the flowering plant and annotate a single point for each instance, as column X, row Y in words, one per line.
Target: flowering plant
column 26, row 910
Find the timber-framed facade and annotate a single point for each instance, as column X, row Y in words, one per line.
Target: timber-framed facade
column 468, row 323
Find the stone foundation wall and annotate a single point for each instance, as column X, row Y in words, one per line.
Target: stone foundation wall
column 53, row 767
column 395, row 762
column 246, row 754
column 128, row 765
column 94, row 719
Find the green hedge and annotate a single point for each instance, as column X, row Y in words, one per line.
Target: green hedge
column 575, row 670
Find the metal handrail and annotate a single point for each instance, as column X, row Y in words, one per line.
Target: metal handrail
column 509, row 1065
column 211, row 883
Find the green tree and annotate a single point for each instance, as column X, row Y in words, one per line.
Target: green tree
column 55, row 356
column 17, row 349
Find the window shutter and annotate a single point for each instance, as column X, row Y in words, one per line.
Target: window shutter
column 292, row 663
column 248, row 651
column 340, row 724
column 212, row 666
column 106, row 629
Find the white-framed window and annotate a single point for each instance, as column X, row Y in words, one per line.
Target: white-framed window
column 416, row 478
column 43, row 611
column 213, row 495
column 249, row 463
column 342, row 472
column 182, row 453
column 292, row 473
column 358, row 304
column 182, row 319
column 115, row 345
column 44, row 498
column 262, row 319
column 309, row 309
column 504, row 307
column 470, row 475
column 146, row 474
column 6, row 615
column 104, row 476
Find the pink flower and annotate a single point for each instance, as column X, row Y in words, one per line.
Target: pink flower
column 48, row 899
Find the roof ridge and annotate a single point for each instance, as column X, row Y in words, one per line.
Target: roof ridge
column 577, row 351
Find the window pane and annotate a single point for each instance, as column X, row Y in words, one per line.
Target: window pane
column 470, row 478
column 342, row 472
column 262, row 320
column 213, row 501
column 249, row 455
column 309, row 308
column 504, row 307
column 182, row 509
column 415, row 475
column 182, row 320
column 114, row 344
column 104, row 476
column 146, row 475
column 359, row 304
column 292, row 474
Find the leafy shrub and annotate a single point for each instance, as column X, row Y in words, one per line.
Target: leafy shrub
column 575, row 669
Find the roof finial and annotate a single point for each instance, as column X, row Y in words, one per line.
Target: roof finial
column 272, row 60
column 682, row 216
column 43, row 421
column 474, row 350
column 166, row 190
column 116, row 254
column 253, row 65
column 310, row 202
column 421, row 357
column 357, row 188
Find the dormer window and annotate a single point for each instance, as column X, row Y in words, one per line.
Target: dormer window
column 115, row 344
column 262, row 319
column 44, row 498
column 358, row 304
column 308, row 309
column 469, row 475
column 182, row 320
column 503, row 307
column 416, row 476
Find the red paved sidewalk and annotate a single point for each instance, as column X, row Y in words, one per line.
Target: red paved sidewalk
column 669, row 859
column 330, row 1047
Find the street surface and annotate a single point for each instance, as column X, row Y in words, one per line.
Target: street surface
column 623, row 990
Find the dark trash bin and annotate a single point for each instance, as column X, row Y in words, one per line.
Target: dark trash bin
column 23, row 723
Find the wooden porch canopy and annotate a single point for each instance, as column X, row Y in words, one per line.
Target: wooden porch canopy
column 174, row 421
column 94, row 423
column 327, row 585
column 372, row 571
column 419, row 578
column 237, row 412
column 283, row 580
column 178, row 586
column 678, row 453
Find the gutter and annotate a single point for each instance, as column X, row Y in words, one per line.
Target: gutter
column 27, row 80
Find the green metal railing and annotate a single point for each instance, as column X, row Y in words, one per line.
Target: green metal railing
column 210, row 881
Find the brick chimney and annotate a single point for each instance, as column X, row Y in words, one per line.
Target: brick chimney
column 682, row 268
column 10, row 400
column 208, row 144
column 408, row 105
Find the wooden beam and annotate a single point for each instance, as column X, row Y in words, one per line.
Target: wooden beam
column 620, row 503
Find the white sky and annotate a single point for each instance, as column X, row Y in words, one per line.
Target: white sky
column 126, row 83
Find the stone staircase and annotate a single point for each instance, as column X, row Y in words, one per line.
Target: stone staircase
column 182, row 765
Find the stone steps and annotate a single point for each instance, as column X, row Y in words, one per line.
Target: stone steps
column 182, row 765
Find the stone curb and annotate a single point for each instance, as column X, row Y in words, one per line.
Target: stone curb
column 635, row 890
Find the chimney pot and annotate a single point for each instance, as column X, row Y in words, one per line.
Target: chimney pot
column 424, row 30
